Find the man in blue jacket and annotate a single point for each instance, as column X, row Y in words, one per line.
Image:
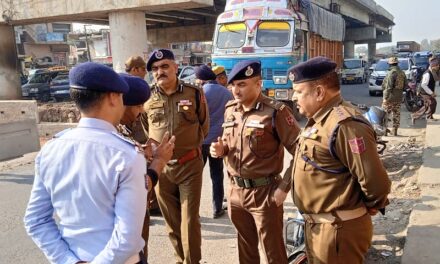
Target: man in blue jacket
column 216, row 96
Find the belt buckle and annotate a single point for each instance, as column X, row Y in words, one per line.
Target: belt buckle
column 247, row 183
column 173, row 162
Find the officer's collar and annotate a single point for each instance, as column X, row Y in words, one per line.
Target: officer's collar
column 88, row 122
column 257, row 106
column 325, row 110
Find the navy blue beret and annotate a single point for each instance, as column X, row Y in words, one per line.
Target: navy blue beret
column 244, row 70
column 311, row 70
column 204, row 73
column 157, row 55
column 96, row 77
column 139, row 90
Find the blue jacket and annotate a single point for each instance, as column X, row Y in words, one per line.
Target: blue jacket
column 217, row 96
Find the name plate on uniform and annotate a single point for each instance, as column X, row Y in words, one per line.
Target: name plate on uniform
column 254, row 123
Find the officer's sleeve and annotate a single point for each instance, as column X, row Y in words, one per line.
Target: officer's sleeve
column 40, row 224
column 130, row 208
column 144, row 123
column 356, row 148
column 203, row 114
column 287, row 129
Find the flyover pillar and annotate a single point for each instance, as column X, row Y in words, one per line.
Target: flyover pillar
column 348, row 49
column 128, row 37
column 371, row 51
column 9, row 82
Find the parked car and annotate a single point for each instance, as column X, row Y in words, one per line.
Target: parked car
column 38, row 86
column 186, row 74
column 60, row 88
column 354, row 70
column 380, row 71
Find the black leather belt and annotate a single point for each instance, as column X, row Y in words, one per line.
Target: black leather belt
column 253, row 183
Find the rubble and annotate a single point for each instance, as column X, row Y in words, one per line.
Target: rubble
column 63, row 112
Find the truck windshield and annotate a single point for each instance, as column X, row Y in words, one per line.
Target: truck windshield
column 231, row 35
column 352, row 64
column 273, row 34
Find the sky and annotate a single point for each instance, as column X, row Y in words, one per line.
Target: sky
column 414, row 19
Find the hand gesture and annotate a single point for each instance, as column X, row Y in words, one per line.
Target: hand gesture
column 164, row 151
column 217, row 149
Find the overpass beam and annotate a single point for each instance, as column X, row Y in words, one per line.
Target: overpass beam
column 9, row 82
column 128, row 37
column 360, row 34
column 348, row 49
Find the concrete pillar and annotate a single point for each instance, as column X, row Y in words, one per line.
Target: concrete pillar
column 348, row 49
column 9, row 79
column 371, row 51
column 128, row 37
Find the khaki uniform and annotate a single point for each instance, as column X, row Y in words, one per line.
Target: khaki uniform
column 126, row 131
column 393, row 86
column 184, row 114
column 254, row 153
column 334, row 190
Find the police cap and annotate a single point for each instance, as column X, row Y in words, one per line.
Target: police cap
column 244, row 70
column 204, row 73
column 139, row 90
column 311, row 70
column 157, row 55
column 96, row 77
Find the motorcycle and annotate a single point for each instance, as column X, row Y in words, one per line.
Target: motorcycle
column 294, row 238
column 412, row 101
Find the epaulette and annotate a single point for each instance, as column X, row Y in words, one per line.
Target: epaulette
column 342, row 113
column 126, row 139
column 59, row 134
column 190, row 86
column 231, row 103
column 272, row 103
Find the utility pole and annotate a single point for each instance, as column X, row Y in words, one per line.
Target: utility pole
column 89, row 58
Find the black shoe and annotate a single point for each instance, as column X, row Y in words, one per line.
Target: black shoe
column 218, row 214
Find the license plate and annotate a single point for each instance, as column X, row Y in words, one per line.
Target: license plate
column 350, row 78
column 25, row 94
column 61, row 92
column 271, row 93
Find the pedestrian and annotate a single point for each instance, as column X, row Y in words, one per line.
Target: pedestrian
column 426, row 90
column 180, row 109
column 393, row 85
column 135, row 65
column 339, row 180
column 134, row 100
column 256, row 131
column 216, row 97
column 221, row 76
column 92, row 178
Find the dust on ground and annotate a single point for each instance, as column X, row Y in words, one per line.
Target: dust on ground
column 63, row 112
column 402, row 159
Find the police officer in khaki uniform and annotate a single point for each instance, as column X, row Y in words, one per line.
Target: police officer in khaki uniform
column 256, row 130
column 180, row 109
column 338, row 179
column 134, row 100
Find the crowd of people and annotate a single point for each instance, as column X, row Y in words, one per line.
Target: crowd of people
column 134, row 140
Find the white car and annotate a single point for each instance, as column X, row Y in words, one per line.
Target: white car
column 380, row 71
column 354, row 71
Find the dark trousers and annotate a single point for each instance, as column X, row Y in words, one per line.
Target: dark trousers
column 216, row 170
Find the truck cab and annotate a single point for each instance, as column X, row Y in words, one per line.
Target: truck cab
column 354, row 71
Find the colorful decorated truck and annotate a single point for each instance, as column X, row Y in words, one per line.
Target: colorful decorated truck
column 280, row 33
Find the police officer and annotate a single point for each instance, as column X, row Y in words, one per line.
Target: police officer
column 256, row 130
column 181, row 110
column 87, row 176
column 216, row 96
column 393, row 86
column 134, row 101
column 221, row 76
column 338, row 178
column 136, row 66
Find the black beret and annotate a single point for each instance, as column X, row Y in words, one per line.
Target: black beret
column 244, row 70
column 96, row 77
column 204, row 73
column 157, row 55
column 139, row 90
column 311, row 70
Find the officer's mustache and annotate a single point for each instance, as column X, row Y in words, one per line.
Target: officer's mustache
column 162, row 75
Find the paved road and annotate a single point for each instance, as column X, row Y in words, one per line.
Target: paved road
column 218, row 245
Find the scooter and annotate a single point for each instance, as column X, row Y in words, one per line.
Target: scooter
column 378, row 119
column 294, row 238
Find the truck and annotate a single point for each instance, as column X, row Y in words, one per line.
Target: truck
column 279, row 33
column 407, row 46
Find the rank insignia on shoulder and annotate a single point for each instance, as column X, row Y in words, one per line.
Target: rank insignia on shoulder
column 290, row 120
column 120, row 136
column 357, row 145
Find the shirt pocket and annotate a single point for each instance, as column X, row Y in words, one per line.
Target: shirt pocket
column 306, row 155
column 261, row 142
column 187, row 114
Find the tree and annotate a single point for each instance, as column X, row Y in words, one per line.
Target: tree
column 425, row 45
column 435, row 44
